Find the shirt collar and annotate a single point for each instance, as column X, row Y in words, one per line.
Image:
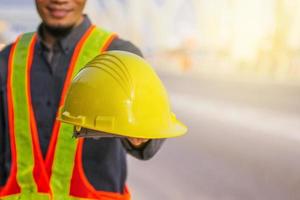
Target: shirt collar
column 68, row 42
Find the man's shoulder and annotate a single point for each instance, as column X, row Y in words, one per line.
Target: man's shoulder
column 4, row 54
column 124, row 45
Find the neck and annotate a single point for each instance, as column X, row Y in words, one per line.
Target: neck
column 51, row 34
column 48, row 38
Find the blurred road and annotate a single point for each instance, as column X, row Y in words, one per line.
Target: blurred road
column 243, row 144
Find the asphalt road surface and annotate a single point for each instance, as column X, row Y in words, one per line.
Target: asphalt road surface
column 243, row 144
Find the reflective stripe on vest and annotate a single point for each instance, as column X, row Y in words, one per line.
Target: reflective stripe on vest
column 29, row 175
column 26, row 170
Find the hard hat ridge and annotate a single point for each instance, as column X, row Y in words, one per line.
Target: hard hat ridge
column 115, row 68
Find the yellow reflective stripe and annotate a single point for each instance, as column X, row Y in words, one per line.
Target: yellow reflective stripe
column 41, row 196
column 63, row 197
column 63, row 161
column 24, row 146
column 92, row 47
column 65, row 151
column 29, row 196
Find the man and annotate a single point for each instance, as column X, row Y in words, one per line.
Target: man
column 52, row 52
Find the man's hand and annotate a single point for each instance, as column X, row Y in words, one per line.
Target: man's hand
column 137, row 142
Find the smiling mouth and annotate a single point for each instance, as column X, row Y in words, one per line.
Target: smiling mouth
column 58, row 13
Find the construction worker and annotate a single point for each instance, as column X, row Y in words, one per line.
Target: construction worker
column 35, row 73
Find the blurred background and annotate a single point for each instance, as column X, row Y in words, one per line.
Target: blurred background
column 232, row 70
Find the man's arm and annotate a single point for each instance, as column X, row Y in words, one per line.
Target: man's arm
column 3, row 71
column 124, row 45
column 144, row 152
column 149, row 148
column 2, row 149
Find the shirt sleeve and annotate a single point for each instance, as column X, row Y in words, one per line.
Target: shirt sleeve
column 152, row 146
column 2, row 149
column 3, row 71
column 124, row 45
column 146, row 152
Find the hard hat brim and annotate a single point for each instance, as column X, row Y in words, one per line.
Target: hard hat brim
column 176, row 129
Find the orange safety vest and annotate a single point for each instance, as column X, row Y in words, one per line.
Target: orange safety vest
column 60, row 176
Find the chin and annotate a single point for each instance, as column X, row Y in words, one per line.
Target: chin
column 59, row 24
column 58, row 29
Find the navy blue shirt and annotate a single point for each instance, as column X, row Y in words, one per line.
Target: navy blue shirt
column 104, row 160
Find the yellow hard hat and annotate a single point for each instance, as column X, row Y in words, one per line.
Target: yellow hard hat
column 119, row 93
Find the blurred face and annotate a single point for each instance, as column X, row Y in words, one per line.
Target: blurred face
column 60, row 13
